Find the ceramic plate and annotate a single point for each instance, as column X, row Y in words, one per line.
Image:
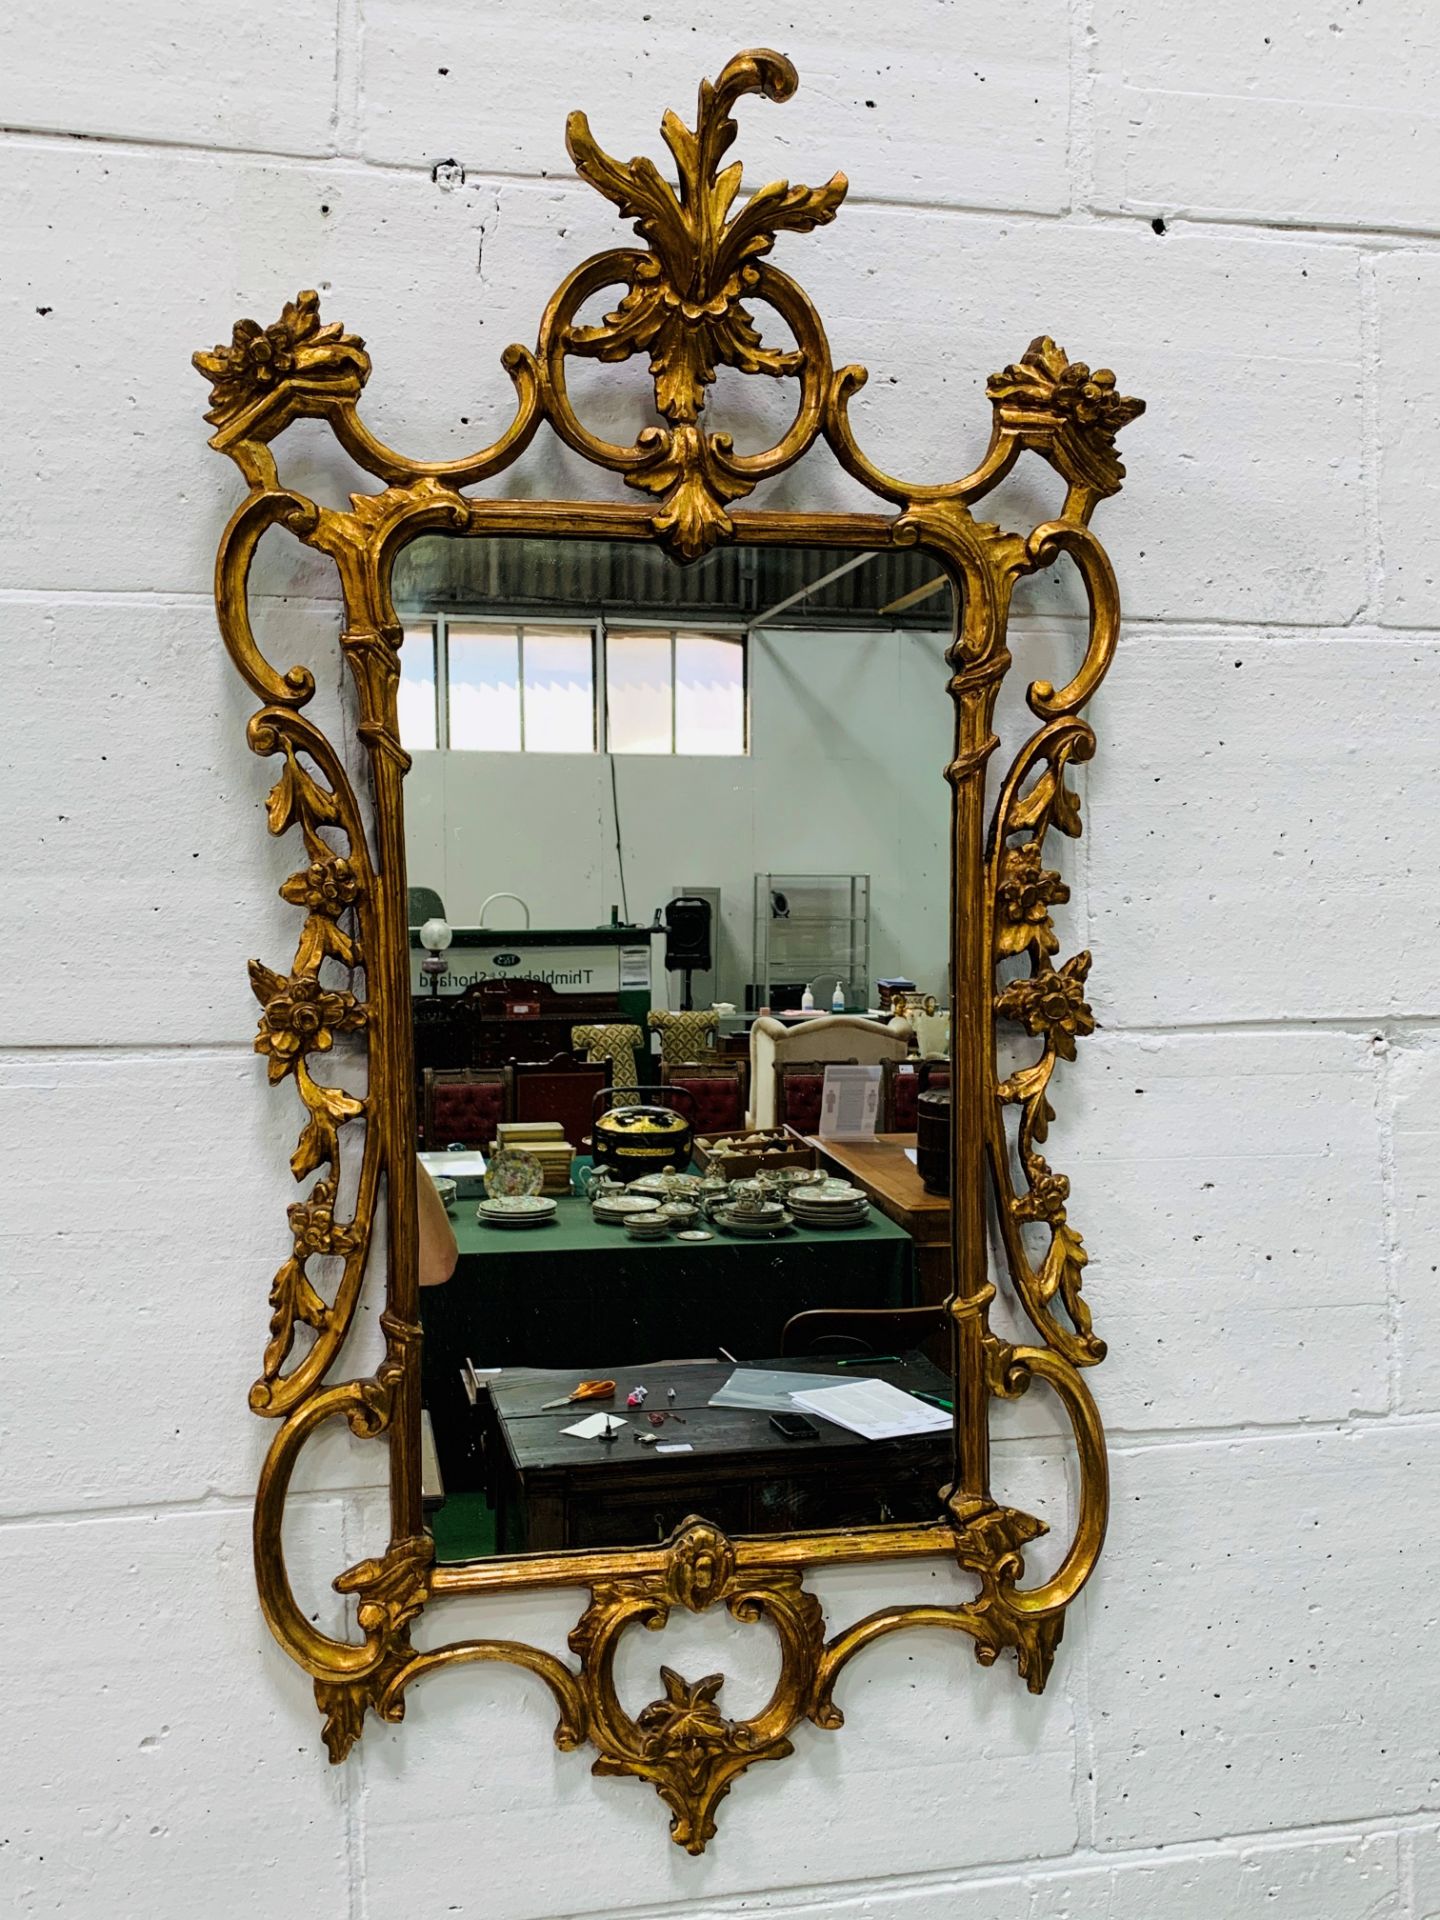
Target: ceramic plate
column 617, row 1205
column 513, row 1173
column 694, row 1233
column 832, row 1194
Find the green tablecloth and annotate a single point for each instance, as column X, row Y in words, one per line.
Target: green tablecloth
column 567, row 1294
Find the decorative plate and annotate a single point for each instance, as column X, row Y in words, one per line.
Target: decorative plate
column 515, row 1206
column 694, row 1233
column 618, row 1205
column 513, row 1171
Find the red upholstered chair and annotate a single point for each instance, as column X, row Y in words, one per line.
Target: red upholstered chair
column 903, row 1081
column 562, row 1089
column 465, row 1104
column 800, row 1090
column 718, row 1089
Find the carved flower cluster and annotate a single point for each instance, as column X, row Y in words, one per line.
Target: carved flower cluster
column 299, row 1016
column 1025, row 895
column 312, row 1222
column 326, row 887
column 1046, row 1196
column 1043, row 380
column 1090, row 399
column 1051, row 1002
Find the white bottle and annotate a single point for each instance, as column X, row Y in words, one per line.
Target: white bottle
column 837, row 999
column 807, row 1001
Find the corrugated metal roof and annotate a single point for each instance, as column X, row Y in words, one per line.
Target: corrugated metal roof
column 732, row 583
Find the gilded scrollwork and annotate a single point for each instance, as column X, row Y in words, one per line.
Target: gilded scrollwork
column 692, row 291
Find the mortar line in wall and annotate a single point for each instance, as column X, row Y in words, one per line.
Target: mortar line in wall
column 1370, row 434
column 354, row 1788
column 1352, row 1426
column 243, row 1503
column 808, row 1899
column 1137, row 626
column 1379, row 238
column 345, row 119
column 1388, row 1026
column 1080, row 121
column 1389, row 1219
column 1077, row 1686
column 122, row 1049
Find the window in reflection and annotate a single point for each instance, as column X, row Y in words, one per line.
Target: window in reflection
column 674, row 691
column 416, row 698
column 515, row 689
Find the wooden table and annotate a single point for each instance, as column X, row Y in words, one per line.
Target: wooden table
column 887, row 1173
column 558, row 1491
column 558, row 1294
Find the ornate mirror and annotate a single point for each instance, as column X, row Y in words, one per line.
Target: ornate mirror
column 627, row 884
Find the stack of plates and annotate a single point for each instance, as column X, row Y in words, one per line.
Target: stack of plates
column 651, row 1224
column 614, row 1209
column 515, row 1210
column 836, row 1204
column 758, row 1222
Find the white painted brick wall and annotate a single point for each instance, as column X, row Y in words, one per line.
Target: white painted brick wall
column 1243, row 1720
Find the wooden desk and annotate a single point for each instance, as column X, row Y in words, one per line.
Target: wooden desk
column 561, row 1492
column 883, row 1168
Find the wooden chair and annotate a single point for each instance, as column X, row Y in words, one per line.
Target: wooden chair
column 800, row 1092
column 718, row 1090
column 561, row 1089
column 616, row 1041
column 901, row 1084
column 860, row 1330
column 684, row 1036
column 465, row 1104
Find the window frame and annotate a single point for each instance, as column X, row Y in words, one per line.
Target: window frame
column 599, row 626
column 716, row 629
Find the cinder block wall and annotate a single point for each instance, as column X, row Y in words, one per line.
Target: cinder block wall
column 1235, row 206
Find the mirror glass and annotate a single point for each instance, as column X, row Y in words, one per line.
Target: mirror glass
column 677, row 842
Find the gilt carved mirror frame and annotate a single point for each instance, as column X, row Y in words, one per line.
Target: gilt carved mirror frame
column 689, row 293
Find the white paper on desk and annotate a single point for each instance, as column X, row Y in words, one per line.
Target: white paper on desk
column 874, row 1409
column 850, row 1103
column 596, row 1424
column 913, row 1156
column 766, row 1390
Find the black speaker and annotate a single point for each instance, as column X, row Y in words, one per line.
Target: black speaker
column 687, row 935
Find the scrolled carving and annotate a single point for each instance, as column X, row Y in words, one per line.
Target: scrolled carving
column 692, row 291
column 263, row 367
column 682, row 1743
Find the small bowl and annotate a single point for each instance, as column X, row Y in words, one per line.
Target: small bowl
column 447, row 1189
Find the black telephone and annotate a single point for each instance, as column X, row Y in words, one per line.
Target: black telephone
column 794, row 1426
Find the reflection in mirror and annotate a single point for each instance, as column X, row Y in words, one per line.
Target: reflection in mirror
column 677, row 843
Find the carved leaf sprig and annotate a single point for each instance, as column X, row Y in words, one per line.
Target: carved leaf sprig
column 300, row 1019
column 684, row 301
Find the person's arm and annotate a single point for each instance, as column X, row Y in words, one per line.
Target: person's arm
column 438, row 1251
